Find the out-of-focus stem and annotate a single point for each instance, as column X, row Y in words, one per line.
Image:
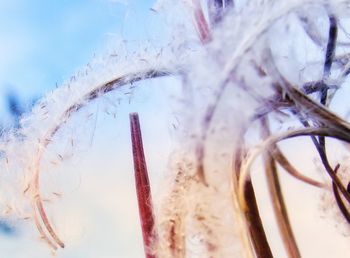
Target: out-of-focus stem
column 217, row 9
column 143, row 188
column 47, row 223
column 201, row 23
column 278, row 203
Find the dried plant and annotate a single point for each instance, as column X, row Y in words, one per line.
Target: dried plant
column 242, row 81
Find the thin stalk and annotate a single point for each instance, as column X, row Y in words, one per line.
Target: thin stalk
column 330, row 52
column 322, row 116
column 284, row 162
column 48, row 226
column 340, row 203
column 252, row 216
column 143, row 188
column 242, row 211
column 256, row 229
column 273, row 140
column 321, row 144
column 201, row 23
column 324, row 159
column 278, row 203
column 43, row 235
column 331, row 46
column 274, row 105
column 339, row 200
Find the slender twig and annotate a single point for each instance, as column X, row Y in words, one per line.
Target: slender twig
column 305, row 106
column 340, row 203
column 273, row 140
column 330, row 52
column 277, row 199
column 256, row 230
column 283, row 161
column 323, row 156
column 321, row 145
column 339, row 200
column 201, row 23
column 261, row 246
column 331, row 45
column 42, row 232
column 143, row 188
column 47, row 224
column 275, row 104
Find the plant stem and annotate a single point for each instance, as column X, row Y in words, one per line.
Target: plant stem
column 256, row 229
column 278, row 203
column 201, row 23
column 331, row 45
column 284, row 162
column 143, row 188
column 340, row 203
column 251, row 213
column 109, row 86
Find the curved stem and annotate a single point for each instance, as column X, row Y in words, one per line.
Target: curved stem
column 324, row 159
column 40, row 207
column 252, row 216
column 273, row 140
column 277, row 199
column 42, row 232
column 46, row 139
column 283, row 161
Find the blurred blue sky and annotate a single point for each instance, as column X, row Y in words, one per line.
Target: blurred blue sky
column 42, row 43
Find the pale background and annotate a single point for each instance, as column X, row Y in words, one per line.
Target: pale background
column 42, row 43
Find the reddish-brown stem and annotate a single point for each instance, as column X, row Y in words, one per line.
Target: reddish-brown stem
column 277, row 199
column 252, row 215
column 256, row 229
column 47, row 224
column 201, row 23
column 143, row 188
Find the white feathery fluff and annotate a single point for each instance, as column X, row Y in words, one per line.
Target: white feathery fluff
column 225, row 82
